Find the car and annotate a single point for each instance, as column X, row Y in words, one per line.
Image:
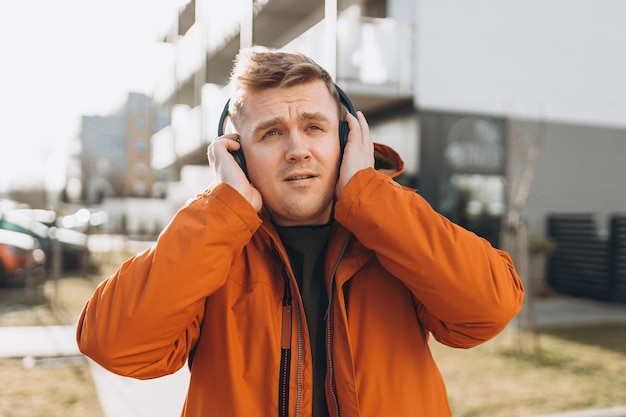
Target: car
column 72, row 243
column 20, row 257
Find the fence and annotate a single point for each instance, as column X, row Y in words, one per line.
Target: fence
column 590, row 256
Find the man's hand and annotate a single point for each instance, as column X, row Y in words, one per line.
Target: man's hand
column 359, row 151
column 227, row 170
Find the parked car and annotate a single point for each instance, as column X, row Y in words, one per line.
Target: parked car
column 20, row 256
column 47, row 217
column 73, row 244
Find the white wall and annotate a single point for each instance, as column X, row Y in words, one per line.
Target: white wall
column 151, row 215
column 401, row 134
column 194, row 179
column 141, row 215
column 580, row 170
column 563, row 60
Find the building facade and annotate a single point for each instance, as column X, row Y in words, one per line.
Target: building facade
column 489, row 102
column 115, row 157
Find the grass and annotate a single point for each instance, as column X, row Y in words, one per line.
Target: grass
column 56, row 391
column 570, row 368
column 53, row 388
column 574, row 368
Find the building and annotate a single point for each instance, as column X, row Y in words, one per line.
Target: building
column 115, row 153
column 489, row 102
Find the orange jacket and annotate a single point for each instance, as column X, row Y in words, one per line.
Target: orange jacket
column 219, row 279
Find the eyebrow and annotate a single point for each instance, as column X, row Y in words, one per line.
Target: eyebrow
column 278, row 120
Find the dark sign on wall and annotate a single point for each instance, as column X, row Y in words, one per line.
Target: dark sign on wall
column 459, row 143
column 474, row 145
column 462, row 169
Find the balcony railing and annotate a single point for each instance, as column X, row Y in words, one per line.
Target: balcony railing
column 373, row 57
column 370, row 52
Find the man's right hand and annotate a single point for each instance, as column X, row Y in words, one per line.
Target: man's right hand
column 227, row 170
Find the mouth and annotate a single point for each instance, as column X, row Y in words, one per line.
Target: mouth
column 300, row 177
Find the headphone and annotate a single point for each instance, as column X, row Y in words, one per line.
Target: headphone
column 343, row 128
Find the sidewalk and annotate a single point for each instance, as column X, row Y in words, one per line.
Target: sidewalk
column 563, row 310
column 38, row 341
column 127, row 397
column 605, row 412
column 119, row 396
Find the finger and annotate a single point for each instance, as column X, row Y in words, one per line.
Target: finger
column 363, row 125
column 231, row 141
column 223, row 143
column 228, row 142
column 353, row 126
column 359, row 124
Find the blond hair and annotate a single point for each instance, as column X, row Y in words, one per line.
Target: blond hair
column 259, row 69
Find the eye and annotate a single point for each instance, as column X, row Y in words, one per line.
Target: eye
column 314, row 127
column 270, row 133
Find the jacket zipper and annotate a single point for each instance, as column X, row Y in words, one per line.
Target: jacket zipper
column 329, row 353
column 299, row 370
column 285, row 348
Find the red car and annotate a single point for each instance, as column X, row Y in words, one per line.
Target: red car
column 20, row 256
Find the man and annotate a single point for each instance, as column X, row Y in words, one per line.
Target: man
column 308, row 285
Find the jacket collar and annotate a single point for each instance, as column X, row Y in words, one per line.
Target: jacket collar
column 387, row 161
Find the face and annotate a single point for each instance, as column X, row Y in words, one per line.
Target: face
column 289, row 136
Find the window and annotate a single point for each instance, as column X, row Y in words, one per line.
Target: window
column 141, row 169
column 141, row 145
column 476, row 202
column 141, row 123
column 375, row 8
column 140, row 189
column 104, row 143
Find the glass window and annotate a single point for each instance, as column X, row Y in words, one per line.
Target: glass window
column 141, row 169
column 104, row 143
column 476, row 202
column 140, row 188
column 141, row 146
column 375, row 8
column 141, row 123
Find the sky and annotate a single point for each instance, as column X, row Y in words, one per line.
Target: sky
column 66, row 58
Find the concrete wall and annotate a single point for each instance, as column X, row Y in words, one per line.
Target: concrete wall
column 581, row 169
column 141, row 217
column 401, row 133
column 557, row 64
column 560, row 60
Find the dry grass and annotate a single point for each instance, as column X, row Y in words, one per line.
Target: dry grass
column 58, row 391
column 575, row 368
column 53, row 388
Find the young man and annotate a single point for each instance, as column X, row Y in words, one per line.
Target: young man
column 308, row 287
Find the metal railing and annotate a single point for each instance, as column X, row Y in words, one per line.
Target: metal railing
column 590, row 256
column 370, row 51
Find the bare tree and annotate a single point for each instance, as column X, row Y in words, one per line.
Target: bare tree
column 521, row 165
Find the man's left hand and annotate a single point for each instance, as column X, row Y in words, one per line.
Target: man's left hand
column 359, row 151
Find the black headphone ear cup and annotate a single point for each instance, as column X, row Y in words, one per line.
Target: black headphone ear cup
column 343, row 134
column 238, row 154
column 240, row 159
column 343, row 125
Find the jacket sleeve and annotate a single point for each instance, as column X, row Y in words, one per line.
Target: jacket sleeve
column 144, row 319
column 466, row 290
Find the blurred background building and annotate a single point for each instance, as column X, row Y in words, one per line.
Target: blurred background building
column 478, row 97
column 461, row 89
column 115, row 152
column 499, row 109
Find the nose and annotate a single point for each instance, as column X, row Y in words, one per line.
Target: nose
column 298, row 149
